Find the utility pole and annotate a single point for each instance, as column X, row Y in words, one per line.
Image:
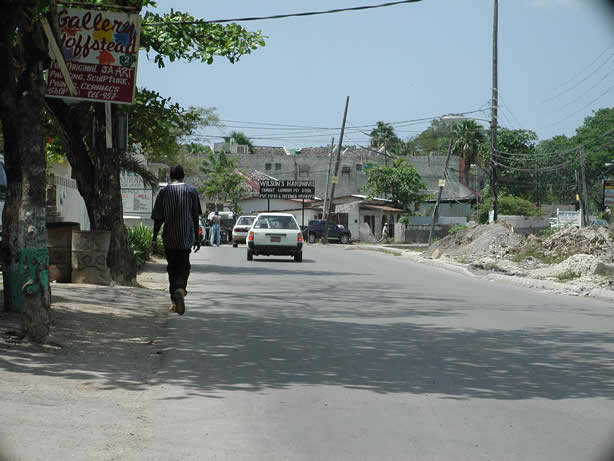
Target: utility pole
column 584, row 198
column 493, row 120
column 330, row 161
column 442, row 184
column 337, row 163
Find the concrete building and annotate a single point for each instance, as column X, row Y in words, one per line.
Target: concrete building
column 313, row 162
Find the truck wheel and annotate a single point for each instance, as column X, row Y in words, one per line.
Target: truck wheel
column 250, row 255
column 312, row 238
column 298, row 257
column 235, row 244
column 344, row 239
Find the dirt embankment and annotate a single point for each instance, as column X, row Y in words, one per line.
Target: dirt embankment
column 583, row 257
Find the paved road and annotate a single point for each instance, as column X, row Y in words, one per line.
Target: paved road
column 355, row 355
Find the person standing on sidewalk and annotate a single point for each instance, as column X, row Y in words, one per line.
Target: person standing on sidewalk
column 216, row 220
column 178, row 208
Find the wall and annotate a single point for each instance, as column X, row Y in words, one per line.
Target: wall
column 261, row 205
column 526, row 224
column 428, row 220
column 353, row 213
column 65, row 203
column 311, row 163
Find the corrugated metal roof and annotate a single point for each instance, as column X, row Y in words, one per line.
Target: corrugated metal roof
column 382, row 208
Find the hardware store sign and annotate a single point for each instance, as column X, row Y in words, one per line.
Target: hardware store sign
column 100, row 50
column 287, row 189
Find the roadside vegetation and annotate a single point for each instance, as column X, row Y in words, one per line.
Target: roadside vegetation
column 568, row 275
column 140, row 238
column 526, row 253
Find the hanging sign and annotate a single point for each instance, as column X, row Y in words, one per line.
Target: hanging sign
column 100, row 50
column 287, row 189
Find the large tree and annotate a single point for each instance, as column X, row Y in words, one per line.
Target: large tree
column 434, row 139
column 467, row 138
column 23, row 59
column 401, row 181
column 223, row 182
column 384, row 136
column 97, row 168
column 24, row 253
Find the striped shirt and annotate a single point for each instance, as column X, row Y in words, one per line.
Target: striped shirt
column 178, row 207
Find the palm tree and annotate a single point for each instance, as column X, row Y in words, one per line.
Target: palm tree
column 467, row 137
column 383, row 135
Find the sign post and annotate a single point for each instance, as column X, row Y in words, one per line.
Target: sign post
column 100, row 49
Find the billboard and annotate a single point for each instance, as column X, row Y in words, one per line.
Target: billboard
column 287, row 189
column 100, row 49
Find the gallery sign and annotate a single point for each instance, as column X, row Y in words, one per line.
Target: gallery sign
column 287, row 189
column 100, row 50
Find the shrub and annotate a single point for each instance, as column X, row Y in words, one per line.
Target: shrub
column 140, row 242
column 509, row 205
column 455, row 229
column 568, row 275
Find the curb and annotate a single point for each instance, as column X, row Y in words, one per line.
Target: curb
column 561, row 288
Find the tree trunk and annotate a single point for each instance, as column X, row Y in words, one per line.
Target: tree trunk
column 97, row 173
column 105, row 206
column 24, row 251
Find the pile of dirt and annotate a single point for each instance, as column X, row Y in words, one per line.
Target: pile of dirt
column 595, row 241
column 475, row 242
column 580, row 257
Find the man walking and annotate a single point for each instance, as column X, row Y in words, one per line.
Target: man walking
column 178, row 208
column 216, row 220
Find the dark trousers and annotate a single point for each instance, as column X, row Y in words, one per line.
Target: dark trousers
column 178, row 269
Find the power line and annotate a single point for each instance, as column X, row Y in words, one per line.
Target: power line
column 584, row 107
column 556, row 96
column 587, row 91
column 278, row 16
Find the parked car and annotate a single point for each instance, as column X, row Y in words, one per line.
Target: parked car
column 275, row 234
column 335, row 231
column 239, row 231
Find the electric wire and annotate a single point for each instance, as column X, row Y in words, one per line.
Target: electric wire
column 587, row 91
column 584, row 107
column 558, row 95
column 279, row 16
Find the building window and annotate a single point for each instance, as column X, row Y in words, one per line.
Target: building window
column 303, row 170
column 267, row 167
column 345, row 170
column 277, row 166
column 359, row 167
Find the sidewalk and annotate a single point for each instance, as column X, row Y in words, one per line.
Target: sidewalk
column 82, row 395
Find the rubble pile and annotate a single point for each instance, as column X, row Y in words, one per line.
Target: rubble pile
column 475, row 242
column 596, row 241
column 583, row 259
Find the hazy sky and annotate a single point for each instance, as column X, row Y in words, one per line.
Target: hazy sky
column 397, row 64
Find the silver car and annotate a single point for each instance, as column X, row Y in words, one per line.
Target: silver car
column 240, row 229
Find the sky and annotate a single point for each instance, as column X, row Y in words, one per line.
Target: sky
column 405, row 65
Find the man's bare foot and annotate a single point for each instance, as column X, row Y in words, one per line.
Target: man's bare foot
column 173, row 307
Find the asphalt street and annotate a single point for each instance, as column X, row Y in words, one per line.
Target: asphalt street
column 356, row 355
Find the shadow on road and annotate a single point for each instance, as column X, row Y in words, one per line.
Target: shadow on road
column 304, row 335
column 265, row 267
column 102, row 335
column 274, row 341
